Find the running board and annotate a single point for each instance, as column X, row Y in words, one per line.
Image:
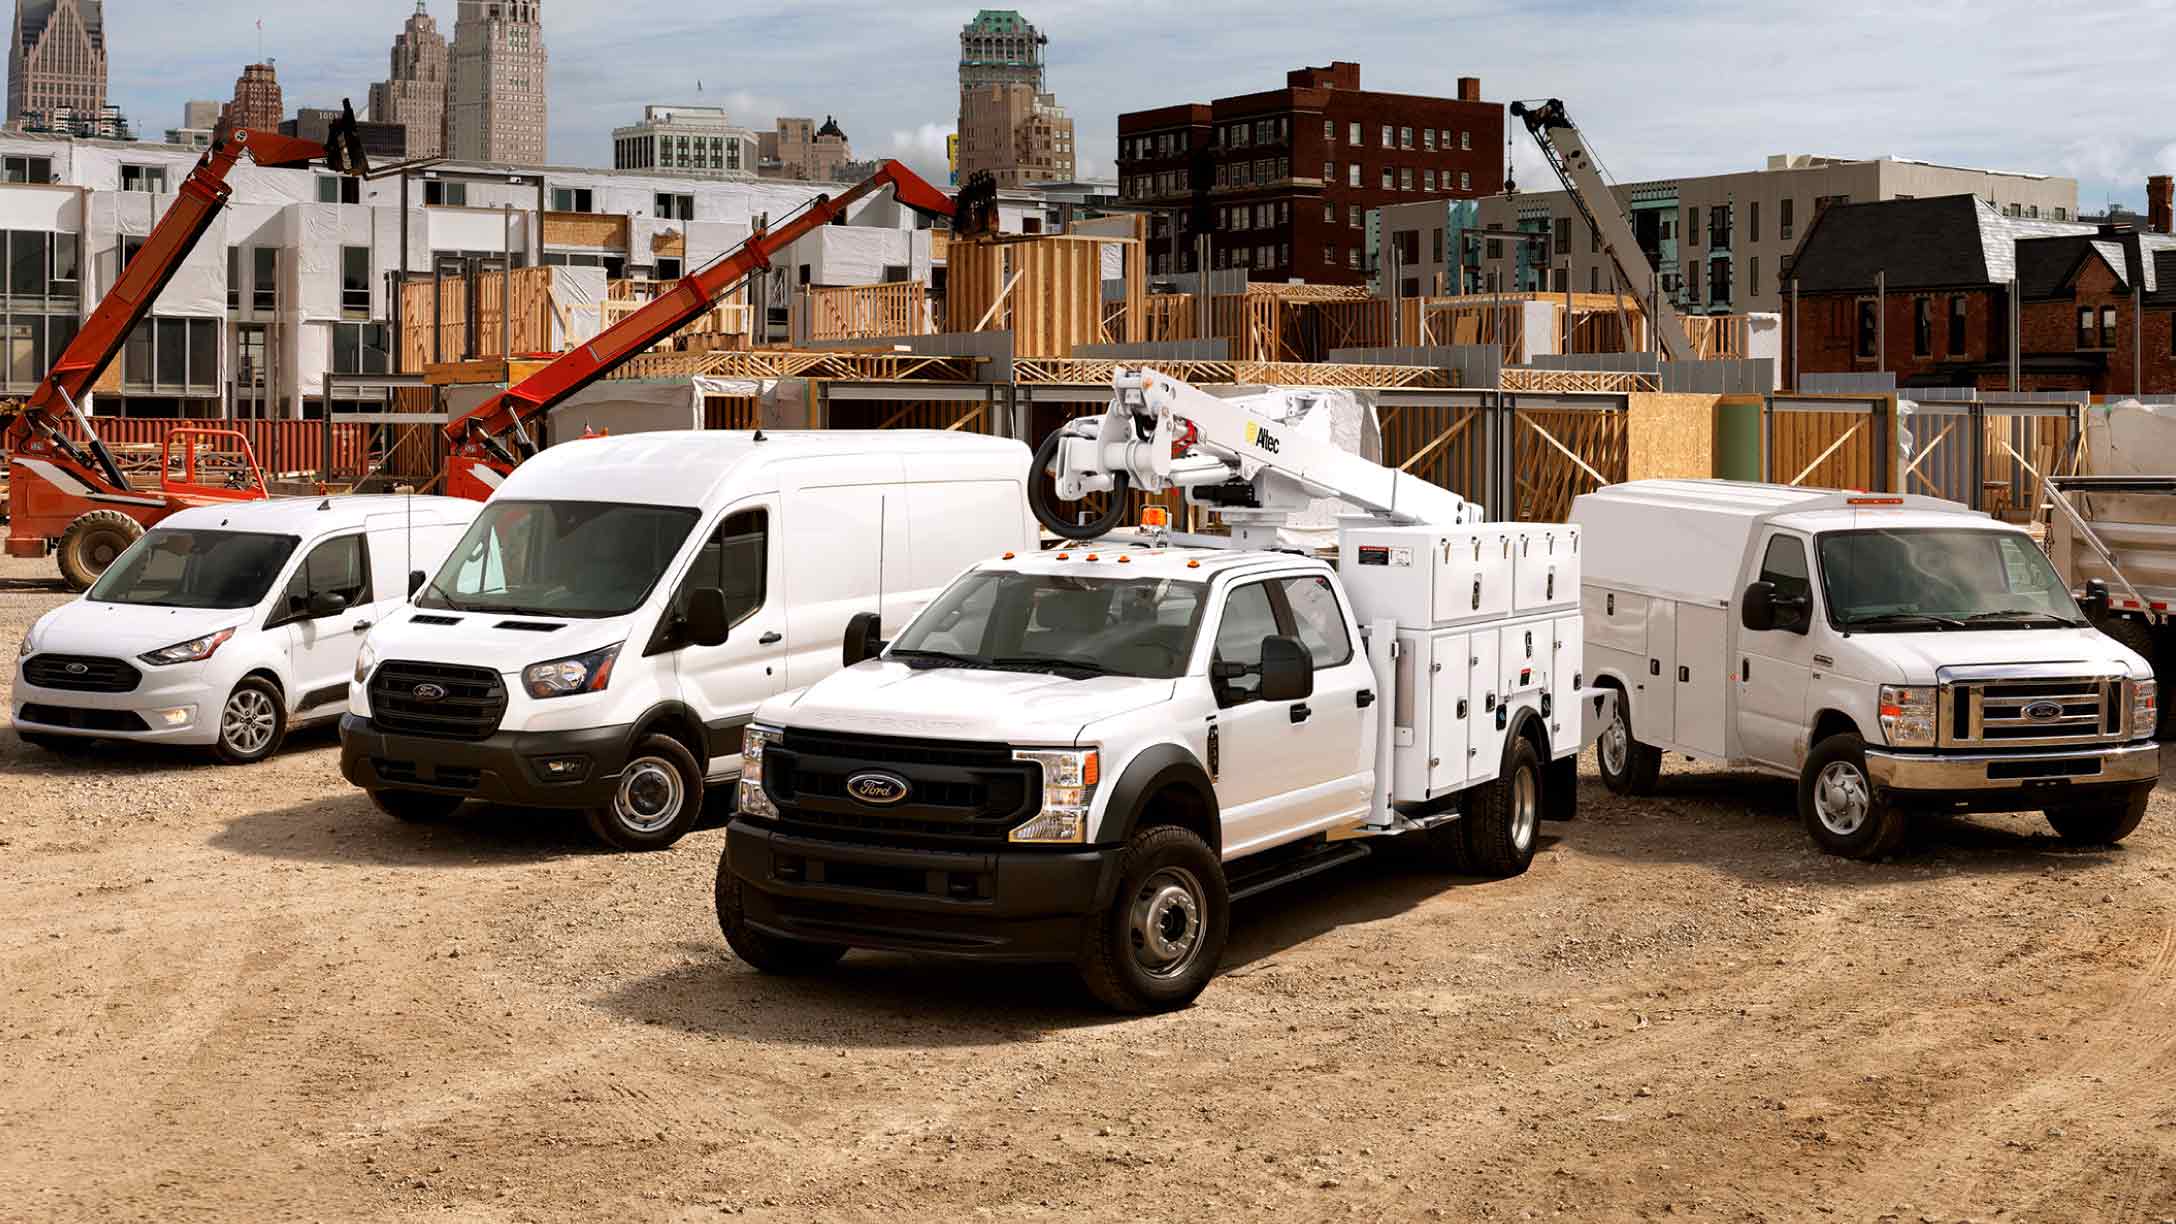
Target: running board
column 1284, row 871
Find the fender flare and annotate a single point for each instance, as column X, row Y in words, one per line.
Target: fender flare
column 1153, row 769
column 682, row 718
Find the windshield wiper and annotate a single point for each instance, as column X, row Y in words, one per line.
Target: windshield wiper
column 1055, row 663
column 2028, row 615
column 934, row 656
column 1904, row 618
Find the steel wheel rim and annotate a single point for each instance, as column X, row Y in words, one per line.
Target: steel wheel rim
column 1165, row 922
column 649, row 795
column 1840, row 798
column 1616, row 742
column 246, row 723
column 1525, row 808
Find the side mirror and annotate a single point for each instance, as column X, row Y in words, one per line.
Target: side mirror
column 706, row 623
column 416, row 579
column 1288, row 669
column 1757, row 610
column 327, row 603
column 861, row 641
column 2095, row 603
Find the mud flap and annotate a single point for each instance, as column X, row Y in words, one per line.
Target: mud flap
column 1560, row 789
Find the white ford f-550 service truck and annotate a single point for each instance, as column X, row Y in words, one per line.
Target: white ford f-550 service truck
column 1085, row 755
column 1891, row 653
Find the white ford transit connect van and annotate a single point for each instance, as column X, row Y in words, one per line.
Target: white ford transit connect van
column 226, row 626
column 606, row 628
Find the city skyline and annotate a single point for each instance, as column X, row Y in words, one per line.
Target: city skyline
column 1717, row 96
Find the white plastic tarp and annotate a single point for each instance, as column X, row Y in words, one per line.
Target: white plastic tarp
column 2128, row 438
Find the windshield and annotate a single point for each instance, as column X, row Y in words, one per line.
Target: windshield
column 574, row 559
column 1088, row 626
column 175, row 568
column 1941, row 578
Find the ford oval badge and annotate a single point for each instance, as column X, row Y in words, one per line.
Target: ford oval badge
column 877, row 789
column 77, row 669
column 429, row 692
column 2044, row 711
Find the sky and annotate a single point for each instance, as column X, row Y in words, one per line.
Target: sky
column 1662, row 89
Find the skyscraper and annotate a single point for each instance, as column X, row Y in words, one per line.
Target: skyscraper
column 57, row 58
column 257, row 102
column 1009, row 122
column 497, row 75
column 1000, row 47
column 414, row 95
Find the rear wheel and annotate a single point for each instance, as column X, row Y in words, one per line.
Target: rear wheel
column 1503, row 818
column 2102, row 822
column 658, row 797
column 1838, row 803
column 1158, row 944
column 416, row 806
column 1629, row 767
column 91, row 543
column 251, row 723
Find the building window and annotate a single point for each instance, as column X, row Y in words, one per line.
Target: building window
column 339, row 189
column 673, row 207
column 27, row 170
column 1329, row 213
column 1428, row 181
column 1329, row 255
column 234, row 278
column 1752, row 277
column 355, row 280
column 264, row 267
column 1352, row 258
column 1438, row 244
column 1784, row 222
column 1465, row 180
column 1692, row 227
column 1355, row 218
column 1752, row 224
column 1352, row 135
column 359, row 348
column 1352, row 175
column 572, row 199
column 1428, row 139
column 1956, row 326
column 1922, row 327
column 2107, row 327
column 1405, row 138
column 179, row 355
column 445, row 195
column 1465, row 140
column 2085, row 327
column 1869, row 326
column 1405, row 178
column 1718, row 282
column 1329, row 131
column 1329, row 172
column 143, row 178
column 1719, row 227
column 1562, row 238
column 2061, row 213
column 1594, row 279
column 668, row 268
column 1389, row 137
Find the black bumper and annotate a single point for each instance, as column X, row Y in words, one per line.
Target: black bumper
column 502, row 769
column 1011, row 905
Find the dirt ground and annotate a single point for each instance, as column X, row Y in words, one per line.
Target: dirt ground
column 244, row 994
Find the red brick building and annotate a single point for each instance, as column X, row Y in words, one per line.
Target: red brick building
column 1283, row 180
column 1921, row 288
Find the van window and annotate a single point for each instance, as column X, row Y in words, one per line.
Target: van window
column 575, row 559
column 1319, row 620
column 175, row 568
column 736, row 560
column 1248, row 618
column 338, row 566
column 1785, row 566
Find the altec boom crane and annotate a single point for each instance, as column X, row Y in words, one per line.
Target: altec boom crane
column 489, row 440
column 74, row 491
column 1565, row 147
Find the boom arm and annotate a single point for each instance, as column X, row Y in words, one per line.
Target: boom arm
column 197, row 201
column 478, row 433
column 1565, row 147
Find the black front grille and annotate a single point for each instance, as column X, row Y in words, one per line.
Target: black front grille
column 81, row 673
column 450, row 777
column 955, row 791
column 467, row 704
column 84, row 720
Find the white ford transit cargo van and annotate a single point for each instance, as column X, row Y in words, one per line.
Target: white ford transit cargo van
column 606, row 628
column 225, row 626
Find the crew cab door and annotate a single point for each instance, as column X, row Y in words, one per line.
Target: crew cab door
column 321, row 649
column 1263, row 759
column 1774, row 666
column 724, row 684
column 1340, row 721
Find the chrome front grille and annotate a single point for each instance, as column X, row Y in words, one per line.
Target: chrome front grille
column 2032, row 711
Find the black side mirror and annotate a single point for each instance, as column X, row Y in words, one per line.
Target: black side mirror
column 326, row 603
column 1757, row 611
column 416, row 579
column 861, row 641
column 2095, row 603
column 1288, row 669
column 706, row 622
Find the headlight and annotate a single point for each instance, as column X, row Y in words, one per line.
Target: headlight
column 1069, row 780
column 2145, row 708
column 582, row 673
column 753, row 740
column 195, row 650
column 1907, row 715
column 29, row 635
column 366, row 661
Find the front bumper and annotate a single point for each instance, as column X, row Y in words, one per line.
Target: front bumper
column 999, row 905
column 502, row 769
column 168, row 707
column 2014, row 771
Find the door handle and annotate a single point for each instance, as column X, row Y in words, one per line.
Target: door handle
column 1745, row 669
column 1654, row 667
column 360, row 627
column 773, row 638
column 1364, row 698
column 1300, row 712
column 1684, row 675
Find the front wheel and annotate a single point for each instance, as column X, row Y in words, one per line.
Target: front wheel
column 251, row 723
column 1838, row 803
column 2101, row 822
column 656, row 800
column 1629, row 767
column 1158, row 944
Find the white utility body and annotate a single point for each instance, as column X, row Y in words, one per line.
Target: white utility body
column 1084, row 754
column 1889, row 652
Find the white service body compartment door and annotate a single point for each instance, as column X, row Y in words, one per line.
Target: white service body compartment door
column 1523, row 659
column 1473, row 575
column 1564, row 675
column 1654, row 685
column 1450, row 713
column 1701, row 662
column 1545, row 568
column 1484, row 742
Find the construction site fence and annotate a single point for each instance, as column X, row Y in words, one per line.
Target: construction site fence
column 284, row 449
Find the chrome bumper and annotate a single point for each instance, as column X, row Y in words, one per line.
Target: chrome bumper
column 2005, row 771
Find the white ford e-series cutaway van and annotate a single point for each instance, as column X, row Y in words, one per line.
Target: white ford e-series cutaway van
column 610, row 622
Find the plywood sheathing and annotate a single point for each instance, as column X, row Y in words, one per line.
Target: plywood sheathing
column 534, row 315
column 1670, row 436
column 1045, row 289
column 1559, row 454
column 1803, row 449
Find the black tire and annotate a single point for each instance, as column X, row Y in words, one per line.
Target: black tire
column 2139, row 636
column 1503, row 818
column 91, row 542
column 416, row 807
column 1637, row 766
column 1171, row 891
column 62, row 745
column 767, row 953
column 252, row 722
column 2101, row 822
column 658, row 798
column 1839, row 806
column 1043, row 497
